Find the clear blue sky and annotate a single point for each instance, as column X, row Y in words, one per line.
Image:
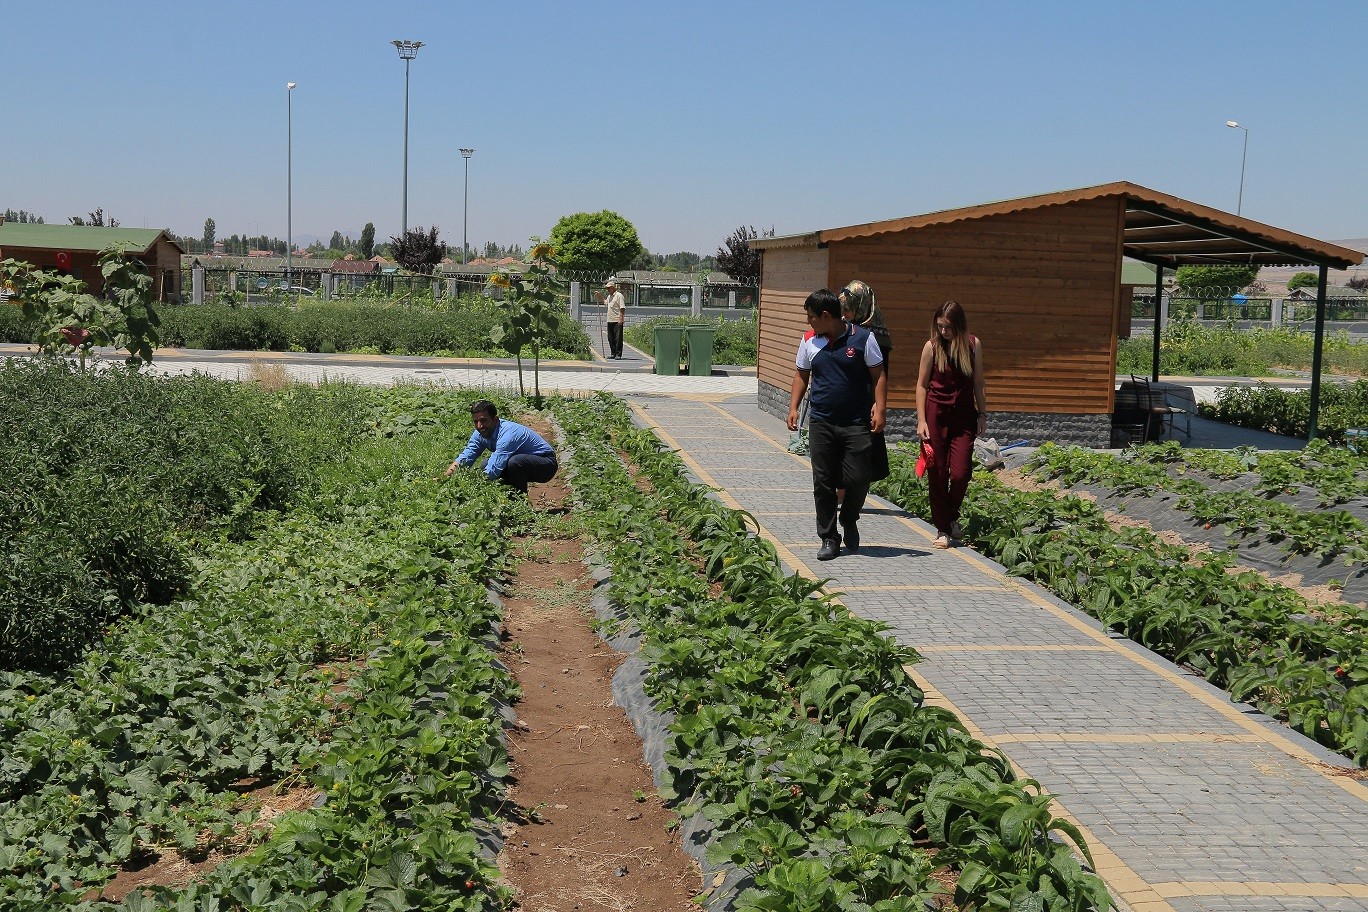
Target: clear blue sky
column 687, row 118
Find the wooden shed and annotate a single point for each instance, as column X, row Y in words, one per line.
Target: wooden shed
column 1041, row 281
column 40, row 244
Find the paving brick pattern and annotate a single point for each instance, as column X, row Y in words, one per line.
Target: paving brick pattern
column 1190, row 803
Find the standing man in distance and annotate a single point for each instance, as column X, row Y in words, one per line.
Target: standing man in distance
column 517, row 454
column 849, row 398
column 617, row 316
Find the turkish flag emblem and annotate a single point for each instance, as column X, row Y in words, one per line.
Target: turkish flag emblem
column 63, row 260
column 850, row 352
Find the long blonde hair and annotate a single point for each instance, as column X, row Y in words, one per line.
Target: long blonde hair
column 958, row 350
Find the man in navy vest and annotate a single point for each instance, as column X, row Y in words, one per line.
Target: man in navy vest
column 848, row 400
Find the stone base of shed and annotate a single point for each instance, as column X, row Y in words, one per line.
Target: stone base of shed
column 1036, row 427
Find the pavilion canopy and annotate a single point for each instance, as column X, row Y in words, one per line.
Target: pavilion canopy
column 1161, row 229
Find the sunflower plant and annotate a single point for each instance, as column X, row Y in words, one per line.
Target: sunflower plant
column 71, row 320
column 532, row 312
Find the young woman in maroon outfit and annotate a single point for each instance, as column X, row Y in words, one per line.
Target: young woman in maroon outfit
column 951, row 411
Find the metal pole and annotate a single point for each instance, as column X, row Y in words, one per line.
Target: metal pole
column 1236, row 125
column 406, row 107
column 289, row 184
column 1244, row 154
column 1316, row 352
column 1158, row 299
column 465, row 206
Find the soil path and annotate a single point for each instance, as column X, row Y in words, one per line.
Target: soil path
column 594, row 835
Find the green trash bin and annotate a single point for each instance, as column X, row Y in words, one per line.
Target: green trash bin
column 668, row 340
column 700, row 349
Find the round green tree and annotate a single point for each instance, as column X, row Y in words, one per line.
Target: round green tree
column 1303, row 280
column 1225, row 278
column 594, row 244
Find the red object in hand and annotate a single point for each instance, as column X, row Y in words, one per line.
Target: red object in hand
column 63, row 260
column 76, row 336
column 926, row 457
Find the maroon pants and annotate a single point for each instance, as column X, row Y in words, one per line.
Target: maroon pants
column 952, row 439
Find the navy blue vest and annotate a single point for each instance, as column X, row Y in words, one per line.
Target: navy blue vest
column 842, row 392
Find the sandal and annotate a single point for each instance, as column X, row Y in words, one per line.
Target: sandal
column 956, row 533
column 941, row 542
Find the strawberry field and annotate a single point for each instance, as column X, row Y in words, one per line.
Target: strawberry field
column 1214, row 599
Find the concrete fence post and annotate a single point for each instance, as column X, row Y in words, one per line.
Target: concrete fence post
column 1276, row 320
column 575, row 292
column 197, row 283
column 325, row 287
column 731, row 300
column 1164, row 312
column 696, row 310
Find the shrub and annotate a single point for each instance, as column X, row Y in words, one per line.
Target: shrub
column 1186, row 347
column 107, row 478
column 337, row 326
column 1268, row 408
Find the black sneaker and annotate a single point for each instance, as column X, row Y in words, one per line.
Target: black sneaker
column 852, row 538
column 830, row 548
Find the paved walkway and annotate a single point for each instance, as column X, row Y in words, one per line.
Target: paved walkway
column 1189, row 803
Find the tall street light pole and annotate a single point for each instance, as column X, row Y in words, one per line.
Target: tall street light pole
column 407, row 51
column 289, row 184
column 465, row 205
column 1235, row 125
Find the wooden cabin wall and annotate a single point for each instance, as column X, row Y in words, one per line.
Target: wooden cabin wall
column 1041, row 288
column 788, row 276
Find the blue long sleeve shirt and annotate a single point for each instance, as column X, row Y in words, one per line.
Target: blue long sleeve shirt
column 509, row 439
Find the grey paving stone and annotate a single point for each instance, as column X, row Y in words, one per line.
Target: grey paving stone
column 1205, row 811
column 1067, row 692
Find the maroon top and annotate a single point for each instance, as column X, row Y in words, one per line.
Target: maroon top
column 949, row 388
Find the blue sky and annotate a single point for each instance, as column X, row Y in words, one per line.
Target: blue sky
column 687, row 118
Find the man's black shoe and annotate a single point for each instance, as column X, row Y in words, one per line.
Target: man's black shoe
column 830, row 548
column 852, row 537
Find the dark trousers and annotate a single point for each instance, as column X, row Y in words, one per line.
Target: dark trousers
column 615, row 339
column 524, row 468
column 840, row 456
column 952, row 441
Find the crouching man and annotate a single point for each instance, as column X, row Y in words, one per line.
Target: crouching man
column 517, row 455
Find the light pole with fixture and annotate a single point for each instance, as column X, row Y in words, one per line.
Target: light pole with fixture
column 407, row 51
column 465, row 205
column 1236, row 125
column 289, row 185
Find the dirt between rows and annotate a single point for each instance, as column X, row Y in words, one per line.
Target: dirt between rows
column 593, row 833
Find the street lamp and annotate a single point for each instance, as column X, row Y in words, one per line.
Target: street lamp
column 407, row 51
column 1230, row 123
column 465, row 205
column 289, row 183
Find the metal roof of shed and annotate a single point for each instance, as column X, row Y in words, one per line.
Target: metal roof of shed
column 79, row 237
column 1161, row 229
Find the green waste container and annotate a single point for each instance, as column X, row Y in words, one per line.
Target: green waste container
column 668, row 340
column 700, row 349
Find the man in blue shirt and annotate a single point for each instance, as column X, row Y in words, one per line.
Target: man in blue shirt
column 517, row 454
column 848, row 401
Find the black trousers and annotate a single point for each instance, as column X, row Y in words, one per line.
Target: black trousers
column 840, row 456
column 615, row 339
column 524, row 468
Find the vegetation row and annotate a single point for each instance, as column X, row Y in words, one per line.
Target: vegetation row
column 1187, row 347
column 1262, row 642
column 464, row 331
column 334, row 643
column 1244, row 515
column 796, row 730
column 1343, row 407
